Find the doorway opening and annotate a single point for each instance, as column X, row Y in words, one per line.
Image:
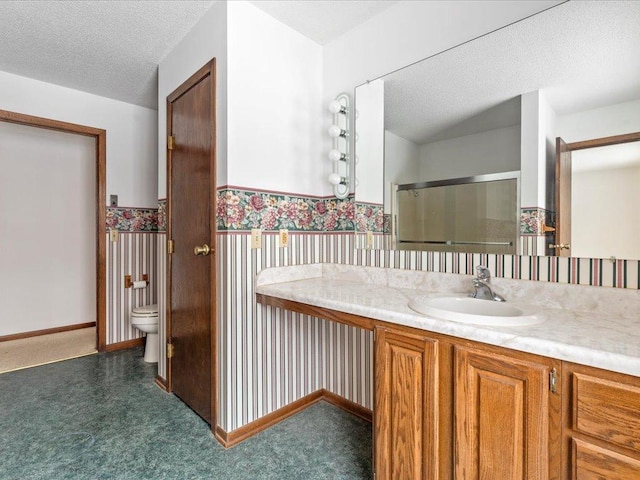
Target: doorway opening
column 597, row 216
column 99, row 136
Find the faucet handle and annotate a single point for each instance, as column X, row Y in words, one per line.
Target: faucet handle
column 483, row 273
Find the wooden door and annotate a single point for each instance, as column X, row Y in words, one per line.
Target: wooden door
column 191, row 224
column 406, row 414
column 502, row 417
column 563, row 198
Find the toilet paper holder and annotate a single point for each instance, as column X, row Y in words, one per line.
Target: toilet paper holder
column 128, row 283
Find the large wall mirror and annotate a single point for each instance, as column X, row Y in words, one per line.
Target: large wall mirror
column 437, row 142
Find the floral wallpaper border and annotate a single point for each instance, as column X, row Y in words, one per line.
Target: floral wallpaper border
column 131, row 219
column 239, row 209
column 532, row 220
column 371, row 217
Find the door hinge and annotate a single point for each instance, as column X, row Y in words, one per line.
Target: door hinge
column 169, row 350
column 170, row 247
column 171, row 141
column 553, row 380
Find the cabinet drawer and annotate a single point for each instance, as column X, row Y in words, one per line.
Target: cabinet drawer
column 607, row 410
column 591, row 462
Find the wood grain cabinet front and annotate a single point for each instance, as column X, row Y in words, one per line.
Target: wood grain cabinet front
column 406, row 406
column 603, row 424
column 506, row 422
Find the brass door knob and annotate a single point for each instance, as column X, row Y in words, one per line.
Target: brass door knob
column 561, row 246
column 203, row 250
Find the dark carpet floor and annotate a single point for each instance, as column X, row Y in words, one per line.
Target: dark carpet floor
column 102, row 417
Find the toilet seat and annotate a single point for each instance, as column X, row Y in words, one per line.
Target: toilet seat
column 145, row 311
column 145, row 315
column 145, row 319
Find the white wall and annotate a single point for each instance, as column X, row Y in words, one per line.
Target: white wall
column 605, row 219
column 275, row 109
column 369, row 124
column 269, row 99
column 131, row 131
column 600, row 122
column 206, row 40
column 47, row 220
column 481, row 153
column 401, row 164
column 548, row 145
column 537, row 154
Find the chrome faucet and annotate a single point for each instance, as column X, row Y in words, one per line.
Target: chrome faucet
column 481, row 284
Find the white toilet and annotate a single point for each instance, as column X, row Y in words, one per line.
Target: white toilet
column 145, row 319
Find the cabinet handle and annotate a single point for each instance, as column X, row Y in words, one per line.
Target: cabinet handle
column 553, row 380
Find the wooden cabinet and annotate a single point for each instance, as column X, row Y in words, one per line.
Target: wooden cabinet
column 448, row 408
column 406, row 412
column 602, row 430
column 506, row 417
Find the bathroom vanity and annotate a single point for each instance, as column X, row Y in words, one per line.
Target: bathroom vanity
column 556, row 400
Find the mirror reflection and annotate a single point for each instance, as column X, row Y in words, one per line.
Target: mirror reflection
column 497, row 104
column 456, row 215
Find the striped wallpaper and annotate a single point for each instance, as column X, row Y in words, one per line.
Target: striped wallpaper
column 135, row 254
column 580, row 271
column 270, row 357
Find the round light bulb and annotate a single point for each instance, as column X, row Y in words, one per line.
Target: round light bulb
column 334, row 179
column 335, row 155
column 335, row 131
column 335, row 107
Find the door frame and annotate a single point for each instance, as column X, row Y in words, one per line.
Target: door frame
column 100, row 137
column 209, row 69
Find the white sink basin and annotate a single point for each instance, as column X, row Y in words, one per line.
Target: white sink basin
column 474, row 311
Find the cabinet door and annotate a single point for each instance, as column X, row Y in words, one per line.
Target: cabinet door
column 591, row 462
column 406, row 406
column 602, row 426
column 501, row 416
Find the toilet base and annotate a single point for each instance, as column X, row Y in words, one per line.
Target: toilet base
column 151, row 348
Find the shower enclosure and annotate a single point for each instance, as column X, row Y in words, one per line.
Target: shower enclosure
column 479, row 214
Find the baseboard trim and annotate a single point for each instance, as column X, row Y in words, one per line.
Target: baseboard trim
column 161, row 383
column 347, row 405
column 134, row 342
column 231, row 439
column 47, row 331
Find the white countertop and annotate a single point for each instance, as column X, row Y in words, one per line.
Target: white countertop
column 594, row 337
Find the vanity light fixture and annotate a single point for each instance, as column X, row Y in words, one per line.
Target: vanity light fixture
column 335, row 131
column 339, row 154
column 336, row 155
column 336, row 107
column 335, row 179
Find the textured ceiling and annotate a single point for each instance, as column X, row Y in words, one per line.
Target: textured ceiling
column 323, row 20
column 110, row 48
column 582, row 55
